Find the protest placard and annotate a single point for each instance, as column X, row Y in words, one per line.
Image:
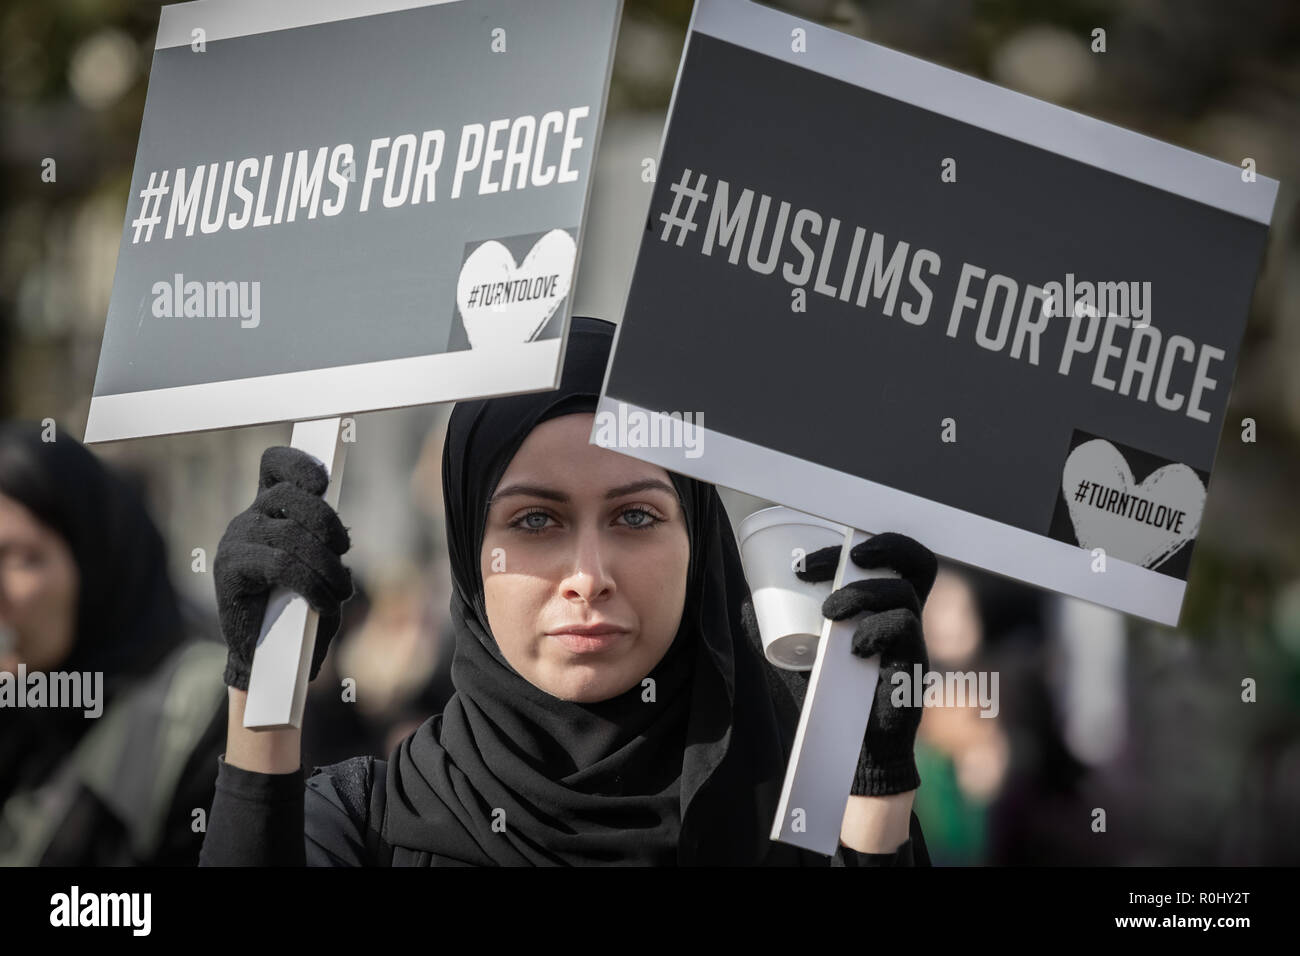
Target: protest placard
column 903, row 299
column 337, row 208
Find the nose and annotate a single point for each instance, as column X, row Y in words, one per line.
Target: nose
column 588, row 579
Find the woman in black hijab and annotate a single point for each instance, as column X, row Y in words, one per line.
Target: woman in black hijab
column 84, row 591
column 683, row 765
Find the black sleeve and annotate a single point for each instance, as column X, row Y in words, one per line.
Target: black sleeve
column 272, row 819
column 256, row 819
column 336, row 813
column 912, row 852
column 920, row 853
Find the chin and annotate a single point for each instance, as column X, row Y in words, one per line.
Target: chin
column 586, row 685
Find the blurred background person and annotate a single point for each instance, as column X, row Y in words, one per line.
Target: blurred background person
column 84, row 589
column 386, row 672
column 962, row 750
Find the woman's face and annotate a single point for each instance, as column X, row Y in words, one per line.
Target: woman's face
column 581, row 536
column 38, row 591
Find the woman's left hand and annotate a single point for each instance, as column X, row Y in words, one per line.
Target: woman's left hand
column 891, row 628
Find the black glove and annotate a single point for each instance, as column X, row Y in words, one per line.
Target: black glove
column 891, row 628
column 288, row 537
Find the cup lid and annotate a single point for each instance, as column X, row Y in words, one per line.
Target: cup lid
column 781, row 515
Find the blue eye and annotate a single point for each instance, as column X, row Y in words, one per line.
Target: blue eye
column 647, row 520
column 530, row 528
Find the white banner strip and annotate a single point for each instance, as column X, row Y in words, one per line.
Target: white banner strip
column 324, row 392
column 224, row 19
column 995, row 108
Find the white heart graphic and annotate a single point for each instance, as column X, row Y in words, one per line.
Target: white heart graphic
column 504, row 304
column 1107, row 514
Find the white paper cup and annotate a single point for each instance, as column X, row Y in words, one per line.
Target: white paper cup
column 789, row 610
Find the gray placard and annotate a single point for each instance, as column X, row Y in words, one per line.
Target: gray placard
column 776, row 350
column 358, row 286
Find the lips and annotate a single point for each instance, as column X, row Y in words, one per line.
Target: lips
column 589, row 638
column 590, row 630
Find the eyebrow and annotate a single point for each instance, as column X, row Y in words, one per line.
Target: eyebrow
column 551, row 494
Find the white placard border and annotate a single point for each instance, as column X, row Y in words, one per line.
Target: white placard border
column 227, row 19
column 986, row 105
column 328, row 392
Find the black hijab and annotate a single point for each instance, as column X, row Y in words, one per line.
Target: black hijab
column 128, row 617
column 510, row 775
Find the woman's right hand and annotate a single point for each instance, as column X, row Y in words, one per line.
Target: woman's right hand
column 288, row 537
